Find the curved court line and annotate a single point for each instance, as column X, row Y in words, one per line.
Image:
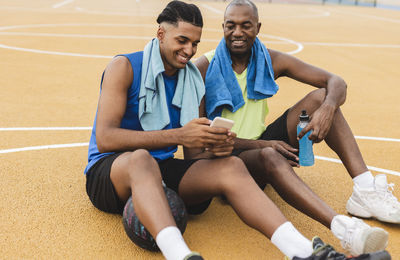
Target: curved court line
column 3, row 28
column 300, row 46
column 150, row 13
column 56, row 146
column 320, row 14
column 55, row 52
column 369, row 167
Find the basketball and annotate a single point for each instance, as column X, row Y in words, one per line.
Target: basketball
column 139, row 234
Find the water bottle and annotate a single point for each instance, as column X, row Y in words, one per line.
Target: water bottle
column 306, row 155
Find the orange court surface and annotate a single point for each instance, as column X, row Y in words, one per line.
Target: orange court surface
column 52, row 55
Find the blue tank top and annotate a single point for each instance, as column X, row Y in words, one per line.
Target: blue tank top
column 130, row 119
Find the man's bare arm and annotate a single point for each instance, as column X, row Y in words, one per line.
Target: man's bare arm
column 289, row 66
column 335, row 96
column 110, row 137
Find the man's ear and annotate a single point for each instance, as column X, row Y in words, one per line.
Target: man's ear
column 258, row 27
column 160, row 33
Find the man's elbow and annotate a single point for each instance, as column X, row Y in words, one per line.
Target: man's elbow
column 343, row 86
column 102, row 142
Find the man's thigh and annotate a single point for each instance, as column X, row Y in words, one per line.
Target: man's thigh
column 172, row 171
column 99, row 187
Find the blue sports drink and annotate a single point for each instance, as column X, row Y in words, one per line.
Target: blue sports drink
column 306, row 154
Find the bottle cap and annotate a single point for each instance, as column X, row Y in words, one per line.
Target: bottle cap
column 304, row 116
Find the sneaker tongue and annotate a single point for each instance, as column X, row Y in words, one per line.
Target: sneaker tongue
column 381, row 182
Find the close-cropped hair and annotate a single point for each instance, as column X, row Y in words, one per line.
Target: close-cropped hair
column 244, row 2
column 177, row 11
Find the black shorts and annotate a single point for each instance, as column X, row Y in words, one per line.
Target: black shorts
column 102, row 193
column 277, row 130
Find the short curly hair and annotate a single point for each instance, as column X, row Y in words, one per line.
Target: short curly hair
column 177, row 11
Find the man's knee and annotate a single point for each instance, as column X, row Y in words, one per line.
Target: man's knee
column 271, row 159
column 317, row 96
column 232, row 171
column 143, row 167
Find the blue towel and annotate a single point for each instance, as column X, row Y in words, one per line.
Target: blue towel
column 222, row 88
column 153, row 109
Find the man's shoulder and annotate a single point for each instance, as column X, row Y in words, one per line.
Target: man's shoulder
column 209, row 55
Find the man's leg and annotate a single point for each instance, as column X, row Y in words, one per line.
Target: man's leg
column 229, row 177
column 268, row 166
column 137, row 174
column 339, row 138
column 371, row 196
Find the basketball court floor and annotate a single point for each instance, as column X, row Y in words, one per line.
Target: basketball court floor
column 52, row 55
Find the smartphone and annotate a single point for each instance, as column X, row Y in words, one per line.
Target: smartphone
column 222, row 122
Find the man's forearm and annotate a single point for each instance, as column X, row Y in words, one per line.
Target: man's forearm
column 119, row 139
column 246, row 144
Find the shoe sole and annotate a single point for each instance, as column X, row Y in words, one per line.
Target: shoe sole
column 376, row 240
column 357, row 210
column 382, row 255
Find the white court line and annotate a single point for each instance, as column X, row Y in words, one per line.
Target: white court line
column 56, row 52
column 3, row 28
column 378, row 138
column 71, row 35
column 42, row 147
column 56, row 146
column 368, row 16
column 62, row 3
column 366, row 45
column 369, row 167
column 55, row 25
column 298, row 44
column 283, row 40
column 215, row 10
column 62, row 128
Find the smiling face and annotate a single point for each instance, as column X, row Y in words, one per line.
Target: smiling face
column 178, row 44
column 241, row 27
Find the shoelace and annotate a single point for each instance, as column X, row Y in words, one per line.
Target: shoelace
column 388, row 197
column 348, row 235
column 332, row 254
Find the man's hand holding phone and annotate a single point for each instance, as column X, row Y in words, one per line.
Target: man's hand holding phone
column 226, row 148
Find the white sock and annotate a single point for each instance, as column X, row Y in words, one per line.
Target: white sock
column 290, row 242
column 171, row 243
column 339, row 224
column 364, row 180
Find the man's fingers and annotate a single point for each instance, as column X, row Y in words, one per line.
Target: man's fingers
column 304, row 131
column 287, row 154
column 293, row 164
column 202, row 121
column 288, row 147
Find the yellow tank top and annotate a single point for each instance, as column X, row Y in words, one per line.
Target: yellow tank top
column 250, row 118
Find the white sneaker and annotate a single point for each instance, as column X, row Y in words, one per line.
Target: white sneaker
column 357, row 237
column 378, row 203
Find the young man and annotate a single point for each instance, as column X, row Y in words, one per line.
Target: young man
column 149, row 104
